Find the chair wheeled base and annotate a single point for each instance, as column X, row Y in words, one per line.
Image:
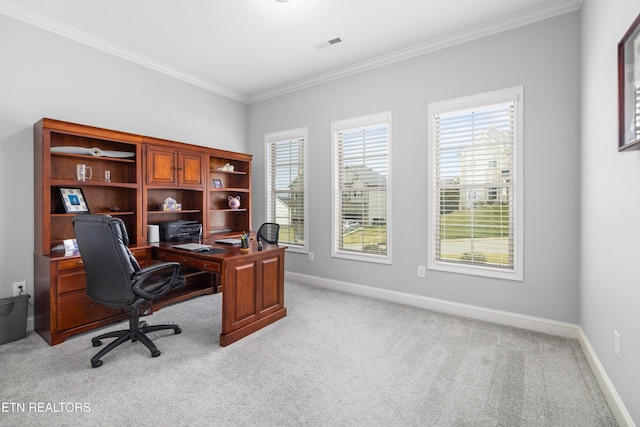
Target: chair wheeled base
column 137, row 332
column 116, row 280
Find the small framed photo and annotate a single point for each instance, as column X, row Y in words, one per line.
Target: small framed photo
column 217, row 183
column 629, row 88
column 73, row 200
column 70, row 245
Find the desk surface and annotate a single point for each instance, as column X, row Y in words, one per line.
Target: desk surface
column 229, row 251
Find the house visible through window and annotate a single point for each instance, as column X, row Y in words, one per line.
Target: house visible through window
column 475, row 186
column 361, row 175
column 286, row 185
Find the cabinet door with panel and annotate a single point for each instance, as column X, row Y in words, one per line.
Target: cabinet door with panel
column 190, row 170
column 171, row 167
column 162, row 166
column 256, row 296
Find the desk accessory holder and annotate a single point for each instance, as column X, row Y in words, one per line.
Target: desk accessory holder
column 244, row 243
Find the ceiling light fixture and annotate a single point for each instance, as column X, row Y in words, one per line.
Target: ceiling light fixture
column 282, row 1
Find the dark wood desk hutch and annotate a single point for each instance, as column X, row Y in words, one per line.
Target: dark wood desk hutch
column 132, row 187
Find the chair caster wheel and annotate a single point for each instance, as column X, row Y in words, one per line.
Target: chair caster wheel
column 96, row 364
column 96, row 344
column 177, row 331
column 155, row 353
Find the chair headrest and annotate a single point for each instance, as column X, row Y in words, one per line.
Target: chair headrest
column 116, row 224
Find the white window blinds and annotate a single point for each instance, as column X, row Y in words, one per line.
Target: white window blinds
column 285, row 196
column 361, row 189
column 474, row 190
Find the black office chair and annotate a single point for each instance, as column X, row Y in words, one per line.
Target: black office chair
column 268, row 232
column 115, row 279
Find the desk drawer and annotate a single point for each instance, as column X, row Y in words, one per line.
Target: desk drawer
column 77, row 309
column 197, row 263
column 68, row 264
column 142, row 255
column 72, row 281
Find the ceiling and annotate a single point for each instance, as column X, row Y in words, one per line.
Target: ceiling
column 250, row 50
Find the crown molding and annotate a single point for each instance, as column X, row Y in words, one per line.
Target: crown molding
column 497, row 26
column 56, row 27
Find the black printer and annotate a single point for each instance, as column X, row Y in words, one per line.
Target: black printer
column 179, row 230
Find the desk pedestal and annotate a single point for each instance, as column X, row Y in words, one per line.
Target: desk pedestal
column 252, row 284
column 253, row 295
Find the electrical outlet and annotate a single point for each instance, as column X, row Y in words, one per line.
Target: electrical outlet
column 19, row 288
column 616, row 343
column 421, row 271
column 311, row 256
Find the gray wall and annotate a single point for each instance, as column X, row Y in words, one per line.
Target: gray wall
column 44, row 75
column 544, row 58
column 610, row 202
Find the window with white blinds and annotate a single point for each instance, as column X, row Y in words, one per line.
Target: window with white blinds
column 475, row 186
column 286, row 185
column 361, row 176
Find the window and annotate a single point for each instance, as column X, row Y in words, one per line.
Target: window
column 361, row 186
column 286, row 186
column 475, row 186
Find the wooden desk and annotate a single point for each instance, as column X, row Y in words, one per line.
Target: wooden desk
column 252, row 283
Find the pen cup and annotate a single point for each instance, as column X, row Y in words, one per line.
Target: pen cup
column 244, row 243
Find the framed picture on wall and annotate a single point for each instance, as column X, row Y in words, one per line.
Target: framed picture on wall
column 73, row 200
column 629, row 88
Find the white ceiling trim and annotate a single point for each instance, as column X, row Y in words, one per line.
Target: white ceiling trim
column 423, row 48
column 74, row 34
column 545, row 12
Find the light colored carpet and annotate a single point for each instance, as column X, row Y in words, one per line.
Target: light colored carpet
column 335, row 360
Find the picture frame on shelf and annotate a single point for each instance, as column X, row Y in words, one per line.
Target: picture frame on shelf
column 217, row 183
column 629, row 88
column 73, row 200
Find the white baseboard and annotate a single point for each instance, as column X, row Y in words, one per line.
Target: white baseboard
column 613, row 399
column 567, row 330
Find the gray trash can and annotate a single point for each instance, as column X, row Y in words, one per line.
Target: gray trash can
column 13, row 318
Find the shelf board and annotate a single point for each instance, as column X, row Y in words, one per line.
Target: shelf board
column 74, row 183
column 115, row 213
column 228, row 189
column 182, row 294
column 228, row 210
column 173, row 212
column 119, row 213
column 227, row 172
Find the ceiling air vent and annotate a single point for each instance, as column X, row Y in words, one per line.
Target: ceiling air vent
column 329, row 43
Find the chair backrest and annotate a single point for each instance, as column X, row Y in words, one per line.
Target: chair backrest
column 268, row 232
column 108, row 262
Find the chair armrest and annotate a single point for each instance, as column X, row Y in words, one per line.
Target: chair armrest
column 151, row 283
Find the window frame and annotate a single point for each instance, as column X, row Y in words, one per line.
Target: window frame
column 336, row 223
column 276, row 137
column 515, row 95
